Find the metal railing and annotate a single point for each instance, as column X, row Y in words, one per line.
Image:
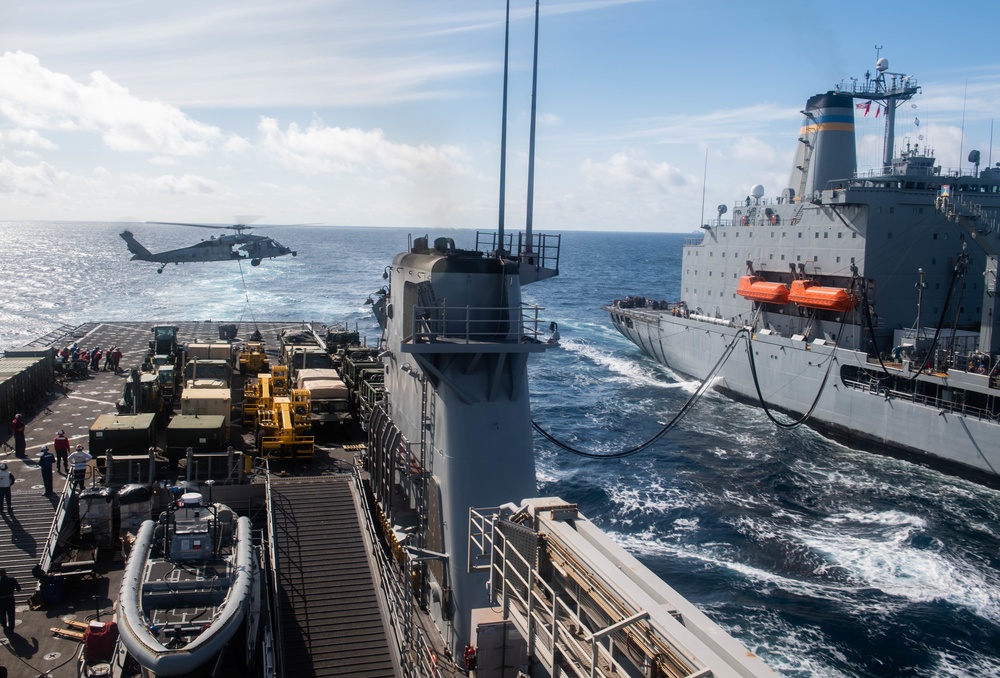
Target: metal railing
column 55, row 530
column 417, row 657
column 541, row 248
column 227, row 467
column 956, row 407
column 552, row 625
column 482, row 324
column 273, row 583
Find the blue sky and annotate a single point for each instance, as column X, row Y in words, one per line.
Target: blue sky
column 387, row 112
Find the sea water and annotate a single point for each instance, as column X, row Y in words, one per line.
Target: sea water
column 823, row 559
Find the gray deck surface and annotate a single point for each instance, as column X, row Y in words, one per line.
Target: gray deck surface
column 331, row 621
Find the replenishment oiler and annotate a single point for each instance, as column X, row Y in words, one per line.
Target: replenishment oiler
column 862, row 303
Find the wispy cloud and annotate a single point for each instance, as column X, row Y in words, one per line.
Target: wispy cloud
column 318, row 148
column 33, row 97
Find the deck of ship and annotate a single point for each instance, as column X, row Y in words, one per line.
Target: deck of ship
column 332, row 623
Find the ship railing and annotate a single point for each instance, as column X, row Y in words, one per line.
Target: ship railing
column 551, row 624
column 873, row 86
column 225, row 467
column 542, row 249
column 953, row 406
column 272, row 557
column 121, row 469
column 417, row 656
column 55, row 541
column 476, row 324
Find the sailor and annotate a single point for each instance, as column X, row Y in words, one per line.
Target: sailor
column 61, row 443
column 17, row 426
column 554, row 336
column 6, row 482
column 7, row 587
column 79, row 461
column 45, row 461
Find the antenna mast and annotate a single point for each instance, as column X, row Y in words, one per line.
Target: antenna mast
column 503, row 135
column 531, row 141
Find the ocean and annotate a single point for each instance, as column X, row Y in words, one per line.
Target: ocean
column 823, row 559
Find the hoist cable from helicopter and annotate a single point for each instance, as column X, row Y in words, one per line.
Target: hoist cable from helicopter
column 246, row 293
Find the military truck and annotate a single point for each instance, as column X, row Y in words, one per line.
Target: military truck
column 329, row 399
column 207, row 373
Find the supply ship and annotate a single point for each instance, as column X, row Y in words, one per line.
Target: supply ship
column 861, row 303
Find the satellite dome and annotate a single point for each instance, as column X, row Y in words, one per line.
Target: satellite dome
column 882, row 65
column 757, row 191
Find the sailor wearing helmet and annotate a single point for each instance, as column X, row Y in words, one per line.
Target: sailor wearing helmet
column 61, row 443
column 45, row 461
column 78, row 461
column 17, row 426
column 6, row 482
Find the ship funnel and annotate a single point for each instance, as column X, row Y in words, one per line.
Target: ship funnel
column 826, row 144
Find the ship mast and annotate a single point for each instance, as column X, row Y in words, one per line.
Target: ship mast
column 888, row 93
column 531, row 141
column 503, row 135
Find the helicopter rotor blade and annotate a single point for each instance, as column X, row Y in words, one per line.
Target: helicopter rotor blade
column 179, row 223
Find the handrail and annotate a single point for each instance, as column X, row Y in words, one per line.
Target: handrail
column 552, row 626
column 920, row 399
column 480, row 324
column 272, row 533
column 410, row 639
column 52, row 541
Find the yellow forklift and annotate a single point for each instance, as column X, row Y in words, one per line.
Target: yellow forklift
column 282, row 416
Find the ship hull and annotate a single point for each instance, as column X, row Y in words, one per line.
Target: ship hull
column 791, row 372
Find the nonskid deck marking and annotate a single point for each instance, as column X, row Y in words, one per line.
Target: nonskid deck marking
column 91, row 400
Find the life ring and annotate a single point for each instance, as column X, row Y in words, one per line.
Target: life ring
column 743, row 221
column 774, row 219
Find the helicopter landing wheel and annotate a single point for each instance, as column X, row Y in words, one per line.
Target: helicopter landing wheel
column 255, row 262
column 159, row 270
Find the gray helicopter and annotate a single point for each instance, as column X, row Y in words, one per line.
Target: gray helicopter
column 229, row 247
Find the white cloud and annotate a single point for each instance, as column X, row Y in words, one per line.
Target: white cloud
column 36, row 180
column 321, row 149
column 30, row 138
column 753, row 150
column 633, row 172
column 187, row 184
column 33, row 97
column 236, row 145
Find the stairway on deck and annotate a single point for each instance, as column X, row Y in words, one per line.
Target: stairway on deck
column 330, row 614
column 23, row 534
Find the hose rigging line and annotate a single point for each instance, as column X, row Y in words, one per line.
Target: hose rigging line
column 789, row 425
column 958, row 271
column 683, row 412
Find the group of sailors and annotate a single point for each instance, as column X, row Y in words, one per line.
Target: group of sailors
column 635, row 301
column 112, row 357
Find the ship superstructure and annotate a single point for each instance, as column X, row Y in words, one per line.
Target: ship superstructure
column 496, row 570
column 867, row 299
